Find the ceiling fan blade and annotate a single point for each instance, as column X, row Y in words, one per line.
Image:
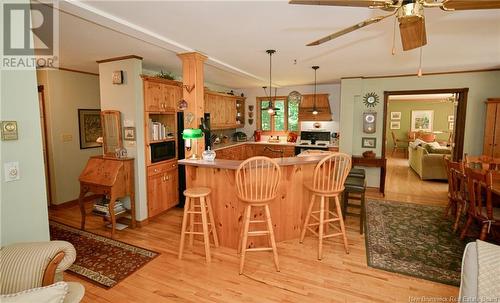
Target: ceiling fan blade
column 413, row 34
column 471, row 4
column 349, row 29
column 355, row 3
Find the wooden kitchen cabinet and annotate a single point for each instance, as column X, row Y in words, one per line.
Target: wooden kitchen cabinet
column 491, row 145
column 161, row 95
column 162, row 183
column 223, row 110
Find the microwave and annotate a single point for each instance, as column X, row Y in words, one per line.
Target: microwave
column 162, row 151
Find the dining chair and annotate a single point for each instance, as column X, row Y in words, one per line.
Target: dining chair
column 457, row 190
column 397, row 145
column 481, row 207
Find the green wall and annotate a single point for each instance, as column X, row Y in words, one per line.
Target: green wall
column 440, row 122
column 482, row 85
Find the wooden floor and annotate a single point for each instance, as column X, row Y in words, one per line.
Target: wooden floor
column 404, row 185
column 337, row 278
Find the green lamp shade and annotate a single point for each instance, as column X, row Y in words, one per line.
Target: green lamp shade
column 192, row 133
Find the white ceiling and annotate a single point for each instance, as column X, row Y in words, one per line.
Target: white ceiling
column 235, row 34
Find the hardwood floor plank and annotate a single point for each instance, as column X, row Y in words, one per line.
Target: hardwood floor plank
column 339, row 277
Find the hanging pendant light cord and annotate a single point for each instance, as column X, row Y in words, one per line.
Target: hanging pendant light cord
column 314, row 89
column 421, row 50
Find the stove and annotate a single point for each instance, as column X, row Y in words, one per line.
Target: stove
column 312, row 140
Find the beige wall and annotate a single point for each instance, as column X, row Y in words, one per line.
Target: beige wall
column 23, row 207
column 66, row 92
column 482, row 85
column 128, row 99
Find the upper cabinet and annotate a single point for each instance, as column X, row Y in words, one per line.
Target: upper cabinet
column 161, row 95
column 491, row 145
column 322, row 106
column 226, row 111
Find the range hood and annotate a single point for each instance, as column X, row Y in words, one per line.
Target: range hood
column 322, row 106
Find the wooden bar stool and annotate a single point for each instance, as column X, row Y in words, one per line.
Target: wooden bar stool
column 204, row 209
column 328, row 182
column 257, row 182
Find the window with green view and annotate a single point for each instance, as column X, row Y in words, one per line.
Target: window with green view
column 285, row 118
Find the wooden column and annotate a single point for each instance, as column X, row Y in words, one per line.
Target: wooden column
column 193, row 93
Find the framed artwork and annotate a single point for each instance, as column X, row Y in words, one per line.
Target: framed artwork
column 451, row 125
column 421, row 120
column 395, row 124
column 367, row 142
column 451, row 118
column 395, row 115
column 129, row 133
column 89, row 122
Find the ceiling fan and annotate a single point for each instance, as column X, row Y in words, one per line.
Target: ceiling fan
column 409, row 13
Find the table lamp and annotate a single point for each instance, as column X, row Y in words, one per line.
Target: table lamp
column 191, row 134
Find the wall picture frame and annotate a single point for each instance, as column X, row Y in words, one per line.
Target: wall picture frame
column 395, row 115
column 451, row 118
column 129, row 133
column 422, row 120
column 368, row 142
column 90, row 128
column 395, row 125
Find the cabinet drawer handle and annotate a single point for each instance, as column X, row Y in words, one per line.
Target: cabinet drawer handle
column 156, row 170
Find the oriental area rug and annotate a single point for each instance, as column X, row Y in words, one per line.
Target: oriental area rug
column 414, row 240
column 101, row 260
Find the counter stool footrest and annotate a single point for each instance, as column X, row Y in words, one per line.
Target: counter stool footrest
column 259, row 249
column 194, row 233
column 193, row 212
column 313, row 231
column 332, row 235
column 258, row 221
column 258, row 233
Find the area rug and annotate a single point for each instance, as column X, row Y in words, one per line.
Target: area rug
column 413, row 240
column 101, row 260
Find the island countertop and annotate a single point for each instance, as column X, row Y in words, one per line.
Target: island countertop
column 234, row 164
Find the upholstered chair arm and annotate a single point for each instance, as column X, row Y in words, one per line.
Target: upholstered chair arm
column 29, row 265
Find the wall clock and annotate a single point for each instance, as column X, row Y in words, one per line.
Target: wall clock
column 369, row 122
column 371, row 99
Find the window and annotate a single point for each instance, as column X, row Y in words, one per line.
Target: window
column 285, row 119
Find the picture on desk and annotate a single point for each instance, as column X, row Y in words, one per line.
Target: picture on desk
column 367, row 142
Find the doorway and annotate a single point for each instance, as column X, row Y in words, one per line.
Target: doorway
column 421, row 127
column 45, row 145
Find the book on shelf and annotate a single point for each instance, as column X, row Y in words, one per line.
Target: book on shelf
column 101, row 207
column 157, row 130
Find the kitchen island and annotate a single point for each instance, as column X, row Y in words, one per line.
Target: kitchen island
column 287, row 211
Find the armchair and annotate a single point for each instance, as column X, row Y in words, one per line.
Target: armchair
column 31, row 265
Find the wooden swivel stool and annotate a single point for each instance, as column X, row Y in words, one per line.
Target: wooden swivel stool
column 204, row 209
column 257, row 182
column 328, row 182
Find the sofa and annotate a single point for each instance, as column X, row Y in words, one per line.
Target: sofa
column 429, row 166
column 480, row 277
column 33, row 272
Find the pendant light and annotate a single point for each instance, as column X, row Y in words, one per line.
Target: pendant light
column 315, row 110
column 270, row 108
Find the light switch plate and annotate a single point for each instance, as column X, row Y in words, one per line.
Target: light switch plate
column 11, row 171
column 67, row 137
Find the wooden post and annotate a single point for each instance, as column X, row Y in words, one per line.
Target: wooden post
column 193, row 92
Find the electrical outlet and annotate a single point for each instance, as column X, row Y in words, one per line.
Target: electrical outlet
column 11, row 171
